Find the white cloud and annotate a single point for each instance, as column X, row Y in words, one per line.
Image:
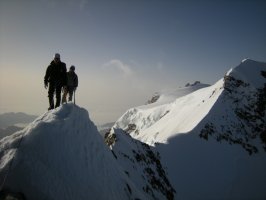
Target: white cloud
column 119, row 66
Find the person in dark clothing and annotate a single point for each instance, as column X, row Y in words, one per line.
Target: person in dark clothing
column 56, row 77
column 71, row 86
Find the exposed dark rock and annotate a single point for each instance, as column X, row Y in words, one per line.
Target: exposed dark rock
column 146, row 164
column 154, row 98
column 230, row 83
column 109, row 138
column 193, row 84
column 130, row 128
column 154, row 177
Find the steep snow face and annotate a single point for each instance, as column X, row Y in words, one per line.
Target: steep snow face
column 62, row 156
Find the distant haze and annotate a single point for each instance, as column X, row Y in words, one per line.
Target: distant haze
column 8, row 119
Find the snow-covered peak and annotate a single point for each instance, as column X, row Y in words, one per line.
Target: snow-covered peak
column 62, row 156
column 249, row 71
column 179, row 111
column 212, row 140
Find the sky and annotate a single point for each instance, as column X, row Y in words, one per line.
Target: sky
column 123, row 50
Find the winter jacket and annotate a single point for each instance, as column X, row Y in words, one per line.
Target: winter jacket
column 72, row 79
column 56, row 74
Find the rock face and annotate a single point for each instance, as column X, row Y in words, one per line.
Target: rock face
column 154, row 98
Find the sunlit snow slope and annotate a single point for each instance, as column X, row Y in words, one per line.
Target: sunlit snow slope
column 176, row 112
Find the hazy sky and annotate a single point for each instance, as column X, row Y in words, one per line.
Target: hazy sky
column 123, row 50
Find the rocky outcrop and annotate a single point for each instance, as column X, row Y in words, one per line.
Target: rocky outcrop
column 154, row 98
column 141, row 163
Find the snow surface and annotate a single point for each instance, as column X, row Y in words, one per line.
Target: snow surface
column 62, row 156
column 221, row 166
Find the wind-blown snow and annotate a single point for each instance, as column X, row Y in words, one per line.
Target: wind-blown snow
column 62, row 156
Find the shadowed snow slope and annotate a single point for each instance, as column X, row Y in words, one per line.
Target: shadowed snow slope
column 62, row 156
column 212, row 141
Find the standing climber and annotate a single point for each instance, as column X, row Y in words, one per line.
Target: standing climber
column 56, row 77
column 71, row 86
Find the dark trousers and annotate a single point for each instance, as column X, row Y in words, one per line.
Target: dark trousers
column 69, row 90
column 54, row 88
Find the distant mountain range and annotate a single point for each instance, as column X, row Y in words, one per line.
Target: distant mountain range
column 12, row 122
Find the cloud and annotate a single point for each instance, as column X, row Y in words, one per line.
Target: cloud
column 119, row 66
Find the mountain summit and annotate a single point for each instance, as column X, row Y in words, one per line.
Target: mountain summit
column 61, row 156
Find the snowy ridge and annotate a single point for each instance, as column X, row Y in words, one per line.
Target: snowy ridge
column 212, row 141
column 242, row 88
column 140, row 118
column 62, row 156
column 145, row 123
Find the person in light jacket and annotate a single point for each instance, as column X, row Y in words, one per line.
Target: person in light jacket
column 71, row 86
